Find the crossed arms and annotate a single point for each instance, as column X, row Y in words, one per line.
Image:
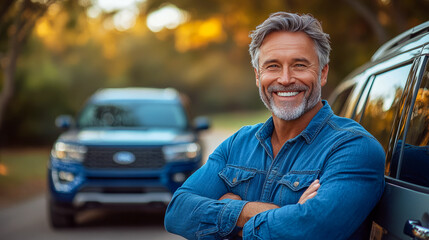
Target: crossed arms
column 204, row 207
column 253, row 208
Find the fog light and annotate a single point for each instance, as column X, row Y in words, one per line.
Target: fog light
column 66, row 176
column 179, row 177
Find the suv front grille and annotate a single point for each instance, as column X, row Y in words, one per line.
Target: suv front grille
column 102, row 157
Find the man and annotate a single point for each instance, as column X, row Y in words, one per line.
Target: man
column 305, row 173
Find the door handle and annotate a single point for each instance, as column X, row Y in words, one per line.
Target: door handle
column 414, row 229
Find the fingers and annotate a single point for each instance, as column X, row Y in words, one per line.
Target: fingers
column 314, row 185
column 310, row 193
column 310, row 196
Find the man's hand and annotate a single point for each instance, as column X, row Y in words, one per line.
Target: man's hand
column 310, row 192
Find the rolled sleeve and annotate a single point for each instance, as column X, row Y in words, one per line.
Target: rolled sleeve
column 220, row 218
column 251, row 229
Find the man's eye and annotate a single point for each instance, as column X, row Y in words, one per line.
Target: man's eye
column 300, row 65
column 272, row 66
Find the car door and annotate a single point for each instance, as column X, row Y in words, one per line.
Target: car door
column 403, row 211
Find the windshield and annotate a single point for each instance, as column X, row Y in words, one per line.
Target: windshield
column 132, row 114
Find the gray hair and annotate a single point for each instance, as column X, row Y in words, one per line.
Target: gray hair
column 289, row 22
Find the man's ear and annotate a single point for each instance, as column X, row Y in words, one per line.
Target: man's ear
column 256, row 76
column 324, row 75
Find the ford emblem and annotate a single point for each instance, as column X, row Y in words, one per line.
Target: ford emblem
column 124, row 158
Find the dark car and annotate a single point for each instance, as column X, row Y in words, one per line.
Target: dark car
column 389, row 96
column 129, row 146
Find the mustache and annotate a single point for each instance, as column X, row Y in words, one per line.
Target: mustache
column 290, row 88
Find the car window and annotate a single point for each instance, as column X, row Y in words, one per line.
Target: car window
column 414, row 167
column 339, row 102
column 383, row 102
column 126, row 114
column 362, row 101
column 354, row 97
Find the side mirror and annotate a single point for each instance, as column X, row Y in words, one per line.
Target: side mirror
column 64, row 122
column 201, row 123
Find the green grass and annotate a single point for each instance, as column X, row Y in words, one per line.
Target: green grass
column 22, row 173
column 236, row 120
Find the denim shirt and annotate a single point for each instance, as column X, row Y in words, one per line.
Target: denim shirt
column 347, row 160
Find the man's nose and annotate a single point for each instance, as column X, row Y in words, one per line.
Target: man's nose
column 286, row 77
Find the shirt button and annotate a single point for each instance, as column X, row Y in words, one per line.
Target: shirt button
column 234, row 180
column 295, row 184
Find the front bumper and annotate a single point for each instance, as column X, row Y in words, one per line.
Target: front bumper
column 115, row 187
column 81, row 199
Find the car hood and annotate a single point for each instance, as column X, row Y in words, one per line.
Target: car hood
column 129, row 137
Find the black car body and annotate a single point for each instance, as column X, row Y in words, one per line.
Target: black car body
column 389, row 96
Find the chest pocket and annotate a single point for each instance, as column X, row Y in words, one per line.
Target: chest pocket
column 237, row 180
column 292, row 185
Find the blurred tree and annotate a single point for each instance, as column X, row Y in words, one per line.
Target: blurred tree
column 76, row 48
column 357, row 27
column 18, row 19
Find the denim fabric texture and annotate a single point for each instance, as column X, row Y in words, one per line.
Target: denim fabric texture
column 347, row 160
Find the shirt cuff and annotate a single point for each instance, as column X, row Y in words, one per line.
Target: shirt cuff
column 248, row 229
column 228, row 216
column 251, row 228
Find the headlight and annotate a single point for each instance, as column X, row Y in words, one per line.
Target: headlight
column 68, row 152
column 181, row 152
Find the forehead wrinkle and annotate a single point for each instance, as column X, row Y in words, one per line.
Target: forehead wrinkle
column 291, row 43
column 303, row 59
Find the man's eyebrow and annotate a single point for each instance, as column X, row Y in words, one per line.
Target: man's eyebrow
column 269, row 61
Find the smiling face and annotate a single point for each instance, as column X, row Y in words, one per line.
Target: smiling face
column 289, row 80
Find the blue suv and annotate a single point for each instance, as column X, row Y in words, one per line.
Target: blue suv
column 129, row 146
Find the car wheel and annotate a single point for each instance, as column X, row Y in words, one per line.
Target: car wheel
column 59, row 218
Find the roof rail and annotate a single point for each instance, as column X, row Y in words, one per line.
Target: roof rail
column 403, row 37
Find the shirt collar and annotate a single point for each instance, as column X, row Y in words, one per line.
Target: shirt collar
column 309, row 133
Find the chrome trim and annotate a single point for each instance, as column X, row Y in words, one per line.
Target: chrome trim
column 109, row 198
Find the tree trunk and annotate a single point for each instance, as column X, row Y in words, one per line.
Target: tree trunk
column 9, row 66
column 21, row 29
column 8, row 63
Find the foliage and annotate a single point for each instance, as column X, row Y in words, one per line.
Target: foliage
column 233, row 121
column 70, row 55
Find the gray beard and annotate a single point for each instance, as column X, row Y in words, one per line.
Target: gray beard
column 288, row 112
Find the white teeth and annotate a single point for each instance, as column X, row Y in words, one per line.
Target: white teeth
column 287, row 94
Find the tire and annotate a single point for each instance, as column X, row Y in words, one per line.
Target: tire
column 60, row 217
